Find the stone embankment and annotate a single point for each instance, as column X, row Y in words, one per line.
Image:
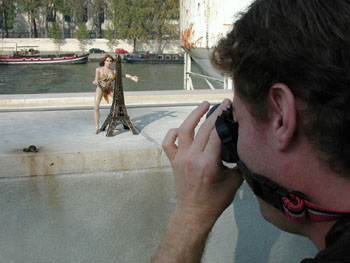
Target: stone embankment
column 85, row 100
column 73, row 45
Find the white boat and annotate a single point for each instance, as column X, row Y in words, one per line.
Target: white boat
column 203, row 23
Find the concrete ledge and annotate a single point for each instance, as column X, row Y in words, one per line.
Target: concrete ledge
column 67, row 144
column 132, row 98
column 75, row 162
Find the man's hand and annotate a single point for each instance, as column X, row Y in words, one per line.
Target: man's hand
column 204, row 187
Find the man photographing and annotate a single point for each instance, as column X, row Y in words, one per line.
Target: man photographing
column 290, row 62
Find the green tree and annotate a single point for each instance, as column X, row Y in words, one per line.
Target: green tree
column 79, row 10
column 82, row 35
column 56, row 34
column 131, row 19
column 141, row 23
column 98, row 16
column 51, row 8
column 144, row 19
column 165, row 24
column 7, row 15
column 110, row 36
column 32, row 8
column 68, row 12
column 119, row 14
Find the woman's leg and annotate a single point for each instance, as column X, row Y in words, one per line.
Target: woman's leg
column 97, row 101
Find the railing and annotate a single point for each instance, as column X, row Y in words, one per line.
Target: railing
column 188, row 84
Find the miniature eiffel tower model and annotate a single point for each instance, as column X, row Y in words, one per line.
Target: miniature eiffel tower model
column 118, row 114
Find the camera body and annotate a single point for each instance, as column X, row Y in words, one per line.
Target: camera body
column 227, row 130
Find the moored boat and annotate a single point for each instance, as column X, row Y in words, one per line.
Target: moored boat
column 20, row 58
column 146, row 57
column 203, row 24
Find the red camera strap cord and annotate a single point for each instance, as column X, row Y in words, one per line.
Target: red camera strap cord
column 295, row 205
column 300, row 210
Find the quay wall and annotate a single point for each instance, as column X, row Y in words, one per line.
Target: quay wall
column 85, row 100
column 73, row 45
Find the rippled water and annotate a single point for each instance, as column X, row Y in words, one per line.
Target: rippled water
column 31, row 79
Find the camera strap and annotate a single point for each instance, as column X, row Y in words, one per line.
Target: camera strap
column 295, row 205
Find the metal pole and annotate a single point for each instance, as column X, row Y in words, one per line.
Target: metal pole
column 228, row 83
column 187, row 70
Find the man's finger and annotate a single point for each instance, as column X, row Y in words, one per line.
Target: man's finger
column 213, row 147
column 206, row 128
column 169, row 145
column 186, row 130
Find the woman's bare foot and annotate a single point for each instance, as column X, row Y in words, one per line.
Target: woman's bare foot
column 97, row 131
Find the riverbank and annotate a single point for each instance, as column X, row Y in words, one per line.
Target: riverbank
column 95, row 57
column 73, row 45
column 51, row 101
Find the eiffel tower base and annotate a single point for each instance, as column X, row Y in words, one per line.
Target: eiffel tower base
column 112, row 123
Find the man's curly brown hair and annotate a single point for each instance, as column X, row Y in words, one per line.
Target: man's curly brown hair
column 306, row 45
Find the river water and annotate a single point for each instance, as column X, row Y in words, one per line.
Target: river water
column 33, row 79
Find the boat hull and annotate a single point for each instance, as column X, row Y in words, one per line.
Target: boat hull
column 150, row 61
column 30, row 60
column 203, row 23
column 154, row 59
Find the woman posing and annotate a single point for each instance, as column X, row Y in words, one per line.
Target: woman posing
column 103, row 79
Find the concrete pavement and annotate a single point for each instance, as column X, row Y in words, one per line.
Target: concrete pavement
column 61, row 127
column 67, row 144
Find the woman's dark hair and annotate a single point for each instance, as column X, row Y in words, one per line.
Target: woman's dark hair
column 306, row 45
column 101, row 62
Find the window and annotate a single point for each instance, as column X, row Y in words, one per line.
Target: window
column 101, row 15
column 67, row 18
column 85, row 14
column 50, row 17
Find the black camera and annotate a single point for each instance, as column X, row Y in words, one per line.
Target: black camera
column 227, row 130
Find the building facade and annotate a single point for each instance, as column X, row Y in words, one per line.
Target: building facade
column 38, row 24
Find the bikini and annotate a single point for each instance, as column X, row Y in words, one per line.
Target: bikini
column 106, row 89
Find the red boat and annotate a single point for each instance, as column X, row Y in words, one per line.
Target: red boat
column 26, row 58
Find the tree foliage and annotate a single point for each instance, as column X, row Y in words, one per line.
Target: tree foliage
column 56, row 34
column 32, row 9
column 126, row 19
column 166, row 12
column 82, row 35
column 7, row 15
column 144, row 19
column 98, row 15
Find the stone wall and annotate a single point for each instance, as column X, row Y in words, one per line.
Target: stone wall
column 73, row 45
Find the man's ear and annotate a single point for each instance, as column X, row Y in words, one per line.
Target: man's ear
column 283, row 114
